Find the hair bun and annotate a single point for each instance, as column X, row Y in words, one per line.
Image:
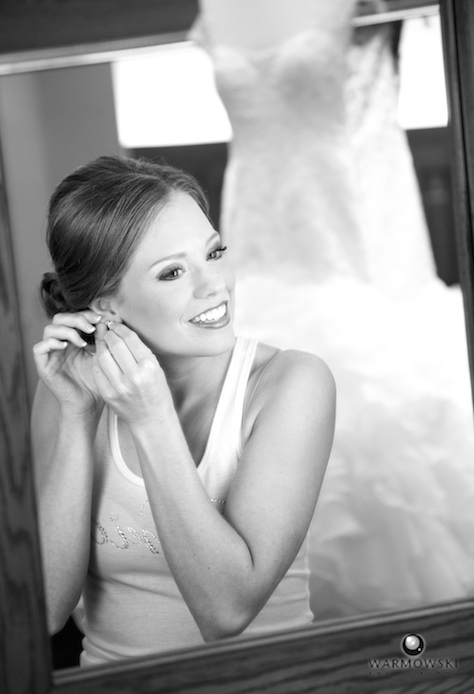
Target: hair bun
column 52, row 294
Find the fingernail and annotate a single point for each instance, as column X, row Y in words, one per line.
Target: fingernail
column 83, row 343
column 97, row 318
column 90, row 328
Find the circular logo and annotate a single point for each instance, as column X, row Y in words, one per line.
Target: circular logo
column 413, row 644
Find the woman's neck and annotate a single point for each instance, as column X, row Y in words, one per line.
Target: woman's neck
column 192, row 379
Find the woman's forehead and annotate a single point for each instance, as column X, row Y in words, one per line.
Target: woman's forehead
column 177, row 225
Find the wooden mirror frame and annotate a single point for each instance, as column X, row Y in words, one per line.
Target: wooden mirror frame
column 333, row 657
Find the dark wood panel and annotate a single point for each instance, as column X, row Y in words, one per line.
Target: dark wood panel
column 355, row 655
column 24, row 653
column 431, row 151
column 45, row 24
column 458, row 41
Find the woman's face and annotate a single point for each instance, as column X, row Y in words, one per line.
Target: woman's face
column 178, row 291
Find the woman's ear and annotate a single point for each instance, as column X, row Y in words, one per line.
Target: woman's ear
column 105, row 307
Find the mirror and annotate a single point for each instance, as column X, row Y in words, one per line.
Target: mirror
column 23, row 558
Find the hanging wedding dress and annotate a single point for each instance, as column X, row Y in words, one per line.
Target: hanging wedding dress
column 324, row 222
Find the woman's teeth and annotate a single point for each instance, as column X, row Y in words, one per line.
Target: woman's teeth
column 211, row 316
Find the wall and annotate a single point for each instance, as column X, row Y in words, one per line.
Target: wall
column 50, row 123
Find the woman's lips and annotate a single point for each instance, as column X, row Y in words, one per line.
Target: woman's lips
column 215, row 317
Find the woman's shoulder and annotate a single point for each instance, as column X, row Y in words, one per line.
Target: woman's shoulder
column 289, row 377
column 272, row 364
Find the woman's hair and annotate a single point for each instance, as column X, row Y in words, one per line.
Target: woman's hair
column 97, row 217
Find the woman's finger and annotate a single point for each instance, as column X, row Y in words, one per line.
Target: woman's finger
column 42, row 351
column 85, row 321
column 113, row 354
column 136, row 347
column 120, row 352
column 63, row 333
column 49, row 345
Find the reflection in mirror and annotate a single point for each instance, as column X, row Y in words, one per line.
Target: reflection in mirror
column 393, row 506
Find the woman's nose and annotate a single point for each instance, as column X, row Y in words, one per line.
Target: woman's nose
column 209, row 281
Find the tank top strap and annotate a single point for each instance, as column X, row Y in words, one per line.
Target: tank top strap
column 226, row 429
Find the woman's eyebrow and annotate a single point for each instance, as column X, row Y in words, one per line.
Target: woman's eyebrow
column 182, row 254
column 174, row 256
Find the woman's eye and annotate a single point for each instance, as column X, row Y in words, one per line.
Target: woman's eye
column 172, row 274
column 217, row 253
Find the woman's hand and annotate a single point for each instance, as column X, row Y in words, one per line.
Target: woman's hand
column 65, row 365
column 128, row 376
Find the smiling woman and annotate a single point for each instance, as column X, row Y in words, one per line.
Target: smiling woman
column 188, row 442
column 329, row 657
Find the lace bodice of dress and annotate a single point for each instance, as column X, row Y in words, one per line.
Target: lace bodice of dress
column 287, row 202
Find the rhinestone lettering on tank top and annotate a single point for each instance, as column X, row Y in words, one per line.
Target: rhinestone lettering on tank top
column 127, row 535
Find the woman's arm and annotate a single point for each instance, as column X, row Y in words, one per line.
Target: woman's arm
column 62, row 454
column 63, row 426
column 227, row 566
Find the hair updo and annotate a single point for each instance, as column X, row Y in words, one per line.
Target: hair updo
column 97, row 217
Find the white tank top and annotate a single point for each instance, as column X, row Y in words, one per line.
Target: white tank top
column 132, row 605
